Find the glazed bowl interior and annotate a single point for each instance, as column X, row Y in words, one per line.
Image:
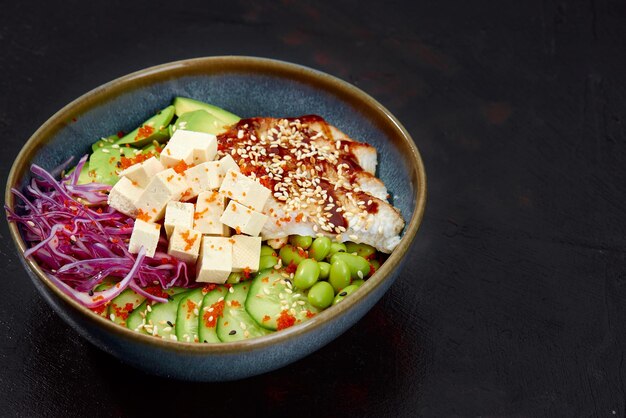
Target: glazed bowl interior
column 248, row 87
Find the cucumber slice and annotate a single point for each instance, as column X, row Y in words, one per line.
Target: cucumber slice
column 123, row 305
column 137, row 318
column 161, row 317
column 184, row 105
column 157, row 130
column 187, row 316
column 274, row 305
column 212, row 309
column 102, row 309
column 200, row 121
column 235, row 324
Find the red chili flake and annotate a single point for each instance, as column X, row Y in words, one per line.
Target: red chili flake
column 265, row 279
column 97, row 298
column 156, row 291
column 190, row 307
column 291, row 268
column 144, row 132
column 266, row 318
column 120, row 134
column 126, row 162
column 247, row 272
column 309, row 314
column 99, row 309
column 189, row 241
column 209, row 287
column 372, row 269
column 299, row 217
column 181, row 167
column 235, row 304
column 210, row 318
column 143, row 216
column 285, row 320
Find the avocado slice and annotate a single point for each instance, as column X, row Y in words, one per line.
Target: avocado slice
column 184, row 105
column 200, row 121
column 154, row 129
column 103, row 165
column 104, row 142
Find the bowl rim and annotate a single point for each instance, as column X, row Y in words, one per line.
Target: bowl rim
column 215, row 65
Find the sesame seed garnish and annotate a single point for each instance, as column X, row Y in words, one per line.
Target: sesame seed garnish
column 360, row 274
column 232, row 332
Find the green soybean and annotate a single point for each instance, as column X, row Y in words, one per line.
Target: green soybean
column 359, row 267
column 324, row 270
column 339, row 276
column 363, row 250
column 320, row 248
column 289, row 254
column 301, row 241
column 267, row 262
column 357, row 283
column 267, row 250
column 344, row 293
column 321, row 295
column 307, row 273
column 336, row 247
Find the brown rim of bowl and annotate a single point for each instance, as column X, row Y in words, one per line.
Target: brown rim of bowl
column 216, row 65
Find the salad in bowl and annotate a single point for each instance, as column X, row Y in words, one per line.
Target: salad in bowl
column 200, row 226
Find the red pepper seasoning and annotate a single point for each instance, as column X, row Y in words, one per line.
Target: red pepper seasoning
column 285, row 320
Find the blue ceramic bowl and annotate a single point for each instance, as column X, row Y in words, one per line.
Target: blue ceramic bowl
column 248, row 87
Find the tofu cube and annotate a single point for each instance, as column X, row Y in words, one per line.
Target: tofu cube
column 190, row 147
column 242, row 219
column 216, row 260
column 123, row 197
column 184, row 244
column 227, row 162
column 246, row 252
column 202, row 177
column 244, row 190
column 145, row 234
column 164, row 187
column 178, row 214
column 209, row 208
column 142, row 173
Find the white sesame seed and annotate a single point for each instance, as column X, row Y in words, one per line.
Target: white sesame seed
column 106, row 151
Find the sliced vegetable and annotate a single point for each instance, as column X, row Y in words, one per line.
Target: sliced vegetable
column 187, row 316
column 154, row 129
column 212, row 309
column 236, row 324
column 184, row 105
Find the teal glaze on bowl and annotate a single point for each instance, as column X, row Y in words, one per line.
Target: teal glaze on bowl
column 248, row 87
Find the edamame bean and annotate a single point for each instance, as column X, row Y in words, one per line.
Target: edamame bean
column 359, row 267
column 321, row 295
column 289, row 254
column 320, row 248
column 339, row 276
column 267, row 250
column 336, row 247
column 267, row 262
column 301, row 241
column 345, row 292
column 362, row 250
column 307, row 273
column 357, row 283
column 324, row 270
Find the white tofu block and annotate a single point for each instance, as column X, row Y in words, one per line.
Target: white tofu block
column 228, row 163
column 142, row 173
column 209, row 209
column 184, row 244
column 202, row 177
column 244, row 190
column 246, row 252
column 123, row 197
column 164, row 187
column 216, row 260
column 178, row 214
column 242, row 219
column 144, row 234
column 190, row 147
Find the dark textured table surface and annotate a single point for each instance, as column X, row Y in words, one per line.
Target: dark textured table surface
column 513, row 302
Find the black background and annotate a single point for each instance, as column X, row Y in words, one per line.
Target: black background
column 513, row 302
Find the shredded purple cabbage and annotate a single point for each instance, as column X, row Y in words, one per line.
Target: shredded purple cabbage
column 79, row 241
